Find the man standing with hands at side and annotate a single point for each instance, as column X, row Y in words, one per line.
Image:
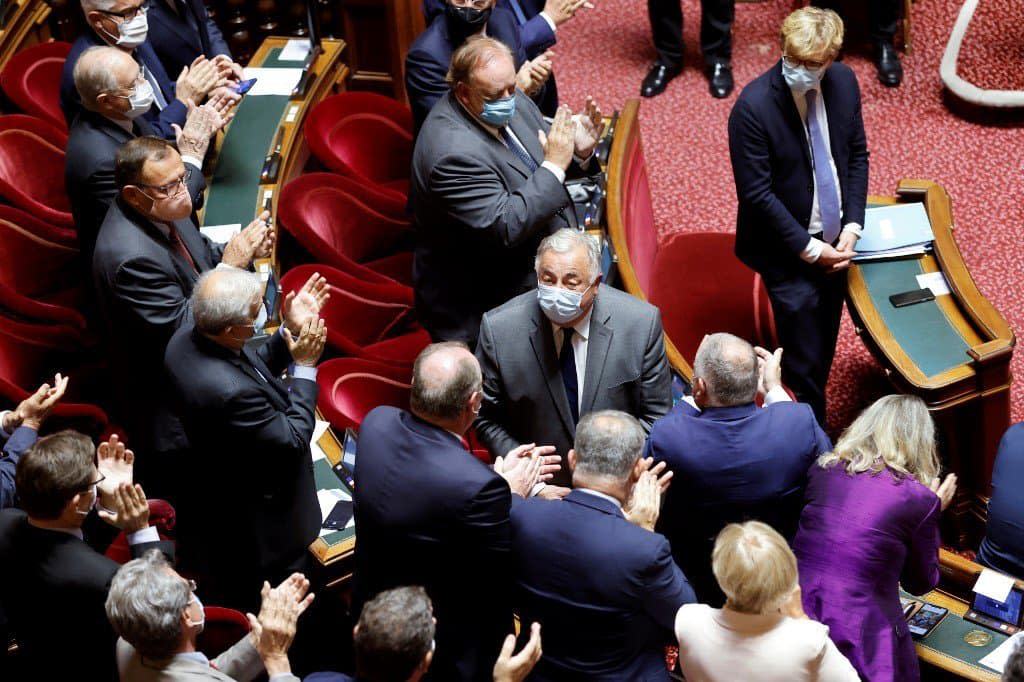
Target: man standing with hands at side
column 800, row 161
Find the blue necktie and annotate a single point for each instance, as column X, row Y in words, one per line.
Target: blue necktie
column 567, row 359
column 520, row 17
column 520, row 153
column 828, row 197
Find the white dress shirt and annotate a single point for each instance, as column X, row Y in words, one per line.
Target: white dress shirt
column 580, row 341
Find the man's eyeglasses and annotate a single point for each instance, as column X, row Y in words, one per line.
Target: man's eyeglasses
column 128, row 14
column 139, row 80
column 171, row 189
column 89, row 486
column 793, row 62
column 475, row 4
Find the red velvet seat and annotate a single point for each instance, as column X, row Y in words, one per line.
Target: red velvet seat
column 365, row 136
column 31, row 79
column 351, row 232
column 351, row 387
column 365, row 319
column 32, row 168
column 222, row 630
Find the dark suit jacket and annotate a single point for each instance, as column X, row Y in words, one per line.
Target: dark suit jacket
column 771, row 164
column 251, row 467
column 731, row 464
column 1003, row 545
column 481, row 213
column 535, row 34
column 178, row 40
column 427, row 61
column 53, row 587
column 21, row 440
column 605, row 591
column 142, row 289
column 93, row 142
column 524, row 395
column 161, row 120
column 429, row 513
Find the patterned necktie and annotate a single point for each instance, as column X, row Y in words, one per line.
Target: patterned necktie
column 180, row 247
column 520, row 153
column 828, row 197
column 567, row 359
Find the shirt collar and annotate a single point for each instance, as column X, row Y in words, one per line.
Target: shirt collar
column 605, row 496
column 582, row 327
column 77, row 532
column 197, row 656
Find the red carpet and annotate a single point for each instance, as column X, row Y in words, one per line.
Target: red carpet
column 993, row 51
column 606, row 52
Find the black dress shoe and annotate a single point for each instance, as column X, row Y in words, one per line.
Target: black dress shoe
column 720, row 80
column 657, row 79
column 890, row 71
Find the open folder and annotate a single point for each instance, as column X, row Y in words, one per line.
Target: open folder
column 894, row 231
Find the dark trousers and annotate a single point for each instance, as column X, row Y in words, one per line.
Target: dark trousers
column 883, row 17
column 715, row 30
column 807, row 306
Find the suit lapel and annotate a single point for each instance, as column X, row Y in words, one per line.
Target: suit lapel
column 195, row 244
column 543, row 342
column 597, row 354
column 253, row 366
column 784, row 99
column 142, row 127
column 185, row 272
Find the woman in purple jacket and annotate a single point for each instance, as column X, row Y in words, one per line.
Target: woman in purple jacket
column 871, row 524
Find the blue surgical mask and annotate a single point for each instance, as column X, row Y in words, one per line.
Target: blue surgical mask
column 561, row 306
column 499, row 112
column 800, row 78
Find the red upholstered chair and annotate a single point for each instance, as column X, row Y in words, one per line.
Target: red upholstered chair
column 365, row 136
column 365, row 319
column 222, row 630
column 349, row 231
column 29, row 143
column 31, row 80
column 351, row 387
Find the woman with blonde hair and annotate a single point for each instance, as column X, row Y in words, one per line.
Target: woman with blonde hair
column 762, row 632
column 870, row 524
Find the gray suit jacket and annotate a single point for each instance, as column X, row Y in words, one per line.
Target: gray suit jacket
column 240, row 662
column 524, row 396
column 480, row 215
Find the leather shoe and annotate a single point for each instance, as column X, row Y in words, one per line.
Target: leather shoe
column 890, row 71
column 720, row 80
column 657, row 79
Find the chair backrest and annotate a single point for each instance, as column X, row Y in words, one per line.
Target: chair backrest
column 30, row 263
column 31, row 79
column 222, row 630
column 351, row 387
column 27, row 142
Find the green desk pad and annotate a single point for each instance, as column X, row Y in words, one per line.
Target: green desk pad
column 948, row 639
column 234, row 191
column 325, row 479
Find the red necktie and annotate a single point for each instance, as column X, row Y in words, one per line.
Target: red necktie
column 179, row 246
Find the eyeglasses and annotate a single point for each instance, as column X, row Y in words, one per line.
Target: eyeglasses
column 139, row 80
column 793, row 62
column 171, row 189
column 89, row 486
column 128, row 14
column 475, row 4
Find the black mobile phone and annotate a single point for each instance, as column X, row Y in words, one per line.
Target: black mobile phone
column 911, row 297
column 339, row 516
column 244, row 86
column 925, row 620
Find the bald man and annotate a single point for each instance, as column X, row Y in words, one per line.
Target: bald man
column 429, row 513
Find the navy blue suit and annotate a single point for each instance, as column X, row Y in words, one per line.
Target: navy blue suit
column 1003, row 545
column 21, row 440
column 771, row 164
column 178, row 39
column 605, row 591
column 429, row 513
column 731, row 464
column 161, row 120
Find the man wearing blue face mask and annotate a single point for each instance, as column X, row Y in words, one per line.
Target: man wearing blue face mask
column 800, row 161
column 571, row 347
column 487, row 185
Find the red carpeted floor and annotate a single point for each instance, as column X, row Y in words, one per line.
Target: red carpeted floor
column 605, row 52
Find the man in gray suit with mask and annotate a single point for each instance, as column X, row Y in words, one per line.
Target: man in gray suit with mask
column 572, row 347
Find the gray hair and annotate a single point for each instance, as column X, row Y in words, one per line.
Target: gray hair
column 440, row 389
column 223, row 297
column 568, row 239
column 94, row 73
column 728, row 365
column 97, row 5
column 608, row 444
column 145, row 603
column 395, row 632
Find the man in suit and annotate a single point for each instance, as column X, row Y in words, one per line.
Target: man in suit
column 429, row 513
column 182, row 31
column 19, row 430
column 731, row 460
column 715, row 44
column 158, row 617
column 147, row 258
column 53, row 584
column 1002, row 548
column 571, row 347
column 426, row 63
column 800, row 161
column 106, row 80
column 123, row 24
column 605, row 591
column 260, row 512
column 883, row 21
column 487, row 185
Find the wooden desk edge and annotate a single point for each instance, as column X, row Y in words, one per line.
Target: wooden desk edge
column 330, row 554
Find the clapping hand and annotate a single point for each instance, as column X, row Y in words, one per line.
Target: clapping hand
column 769, row 369
column 558, row 143
column 117, row 464
column 309, row 346
column 306, row 303
column 250, row 243
column 129, row 510
column 199, row 79
column 521, row 468
column 534, row 73
column 201, row 124
column 589, row 129
column 562, row 11
column 33, row 410
column 274, row 629
column 945, row 490
column 645, row 503
column 509, row 668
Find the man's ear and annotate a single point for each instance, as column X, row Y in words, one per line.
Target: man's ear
column 571, row 459
column 700, row 391
column 638, row 468
column 476, row 399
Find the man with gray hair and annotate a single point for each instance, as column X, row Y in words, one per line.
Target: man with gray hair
column 570, row 347
column 733, row 461
column 601, row 584
column 158, row 616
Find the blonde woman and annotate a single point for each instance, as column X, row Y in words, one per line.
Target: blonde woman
column 869, row 525
column 762, row 632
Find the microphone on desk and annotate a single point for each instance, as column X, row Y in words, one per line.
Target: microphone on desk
column 272, row 164
column 308, row 75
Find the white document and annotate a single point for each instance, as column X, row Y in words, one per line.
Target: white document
column 273, row 81
column 221, row 233
column 935, row 281
column 997, row 659
column 319, row 429
column 294, row 51
column 994, row 585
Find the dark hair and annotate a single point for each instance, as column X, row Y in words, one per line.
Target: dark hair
column 133, row 155
column 396, row 630
column 54, row 470
column 443, row 397
column 1014, row 669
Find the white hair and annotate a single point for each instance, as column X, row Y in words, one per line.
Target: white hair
column 608, row 444
column 98, row 5
column 223, row 297
column 566, row 240
column 94, row 73
column 145, row 603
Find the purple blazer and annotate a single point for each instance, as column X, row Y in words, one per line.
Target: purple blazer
column 860, row 537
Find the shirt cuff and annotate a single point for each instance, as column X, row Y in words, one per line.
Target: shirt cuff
column 192, row 161
column 555, row 170
column 776, row 395
column 537, row 487
column 855, row 228
column 812, row 252
column 551, row 22
column 303, row 372
column 281, row 676
column 147, row 534
column 5, row 432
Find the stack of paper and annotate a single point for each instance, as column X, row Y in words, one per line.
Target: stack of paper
column 996, row 660
column 894, row 231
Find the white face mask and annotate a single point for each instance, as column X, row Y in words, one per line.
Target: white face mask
column 140, row 100
column 95, row 498
column 800, row 78
column 561, row 306
column 201, row 624
column 131, row 33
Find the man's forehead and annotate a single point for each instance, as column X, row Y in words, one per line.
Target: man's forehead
column 164, row 170
column 122, row 5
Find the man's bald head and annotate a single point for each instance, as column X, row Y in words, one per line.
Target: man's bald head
column 224, row 297
column 728, row 366
column 103, row 70
column 444, row 378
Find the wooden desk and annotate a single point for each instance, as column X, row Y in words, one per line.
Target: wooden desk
column 333, row 548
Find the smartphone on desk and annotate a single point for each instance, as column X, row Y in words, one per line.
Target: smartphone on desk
column 339, row 516
column 244, row 86
column 925, row 620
